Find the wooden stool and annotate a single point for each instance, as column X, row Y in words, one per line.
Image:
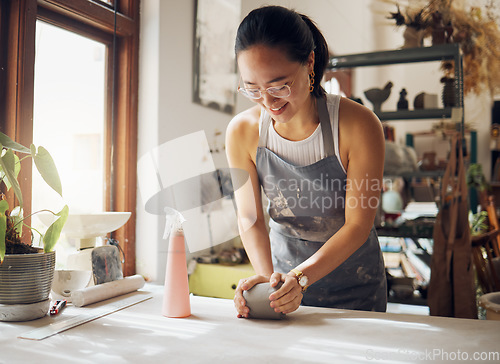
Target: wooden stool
column 493, row 220
column 483, row 253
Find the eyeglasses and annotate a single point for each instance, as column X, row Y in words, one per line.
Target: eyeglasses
column 275, row 91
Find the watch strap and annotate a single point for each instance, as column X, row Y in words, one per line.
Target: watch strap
column 297, row 272
column 298, row 275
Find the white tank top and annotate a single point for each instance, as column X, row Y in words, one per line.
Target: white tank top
column 310, row 150
column 301, row 152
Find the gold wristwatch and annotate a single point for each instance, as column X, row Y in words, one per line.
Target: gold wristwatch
column 301, row 279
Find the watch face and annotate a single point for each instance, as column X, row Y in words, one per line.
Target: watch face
column 303, row 281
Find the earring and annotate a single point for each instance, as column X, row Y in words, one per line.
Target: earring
column 311, row 81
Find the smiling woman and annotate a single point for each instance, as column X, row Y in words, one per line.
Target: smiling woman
column 93, row 128
column 321, row 244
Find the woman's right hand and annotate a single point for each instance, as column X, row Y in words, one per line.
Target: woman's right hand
column 244, row 285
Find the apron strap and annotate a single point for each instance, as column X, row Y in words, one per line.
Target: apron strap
column 324, row 119
column 326, row 127
column 264, row 128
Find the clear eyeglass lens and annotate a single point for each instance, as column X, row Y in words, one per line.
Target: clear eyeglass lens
column 251, row 93
column 281, row 91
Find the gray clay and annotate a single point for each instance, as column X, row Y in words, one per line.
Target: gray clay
column 106, row 264
column 257, row 299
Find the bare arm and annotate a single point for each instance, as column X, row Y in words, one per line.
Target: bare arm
column 241, row 145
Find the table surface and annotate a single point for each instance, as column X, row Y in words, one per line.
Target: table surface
column 213, row 333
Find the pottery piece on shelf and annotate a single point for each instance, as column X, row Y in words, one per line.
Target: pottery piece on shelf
column 413, row 37
column 425, row 101
column 377, row 96
column 403, row 102
column 448, row 95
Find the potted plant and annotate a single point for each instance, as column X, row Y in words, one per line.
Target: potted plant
column 26, row 272
column 416, row 23
column 477, row 181
column 475, row 30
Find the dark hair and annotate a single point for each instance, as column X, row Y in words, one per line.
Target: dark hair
column 276, row 26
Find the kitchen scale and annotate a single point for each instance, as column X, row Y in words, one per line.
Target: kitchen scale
column 87, row 231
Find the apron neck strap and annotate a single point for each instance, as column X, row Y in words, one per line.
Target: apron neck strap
column 326, row 127
column 264, row 128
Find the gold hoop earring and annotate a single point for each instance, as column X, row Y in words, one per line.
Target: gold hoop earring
column 311, row 81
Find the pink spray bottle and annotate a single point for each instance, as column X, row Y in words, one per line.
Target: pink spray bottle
column 176, row 295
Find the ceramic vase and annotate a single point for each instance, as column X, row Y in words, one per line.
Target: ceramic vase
column 448, row 95
column 413, row 37
column 25, row 285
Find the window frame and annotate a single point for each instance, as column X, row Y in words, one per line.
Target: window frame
column 95, row 20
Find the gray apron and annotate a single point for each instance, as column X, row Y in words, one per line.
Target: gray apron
column 307, row 207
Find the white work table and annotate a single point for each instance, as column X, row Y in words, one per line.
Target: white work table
column 213, row 334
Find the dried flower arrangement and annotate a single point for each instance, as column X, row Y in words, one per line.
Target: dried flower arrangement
column 413, row 18
column 475, row 29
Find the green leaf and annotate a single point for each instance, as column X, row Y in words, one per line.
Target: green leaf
column 8, row 164
column 17, row 217
column 9, row 143
column 54, row 231
column 4, row 206
column 17, row 169
column 47, row 168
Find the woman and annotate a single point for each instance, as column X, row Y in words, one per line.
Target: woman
column 319, row 159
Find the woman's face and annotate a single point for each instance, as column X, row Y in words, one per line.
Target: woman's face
column 262, row 67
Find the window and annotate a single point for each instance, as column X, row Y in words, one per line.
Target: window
column 45, row 102
column 69, row 117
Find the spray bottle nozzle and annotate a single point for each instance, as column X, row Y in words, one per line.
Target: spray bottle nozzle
column 174, row 220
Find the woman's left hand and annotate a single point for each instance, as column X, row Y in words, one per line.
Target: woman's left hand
column 288, row 298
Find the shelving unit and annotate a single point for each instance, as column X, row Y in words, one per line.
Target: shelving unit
column 442, row 52
column 413, row 55
column 410, row 55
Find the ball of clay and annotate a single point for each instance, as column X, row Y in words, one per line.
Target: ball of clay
column 257, row 299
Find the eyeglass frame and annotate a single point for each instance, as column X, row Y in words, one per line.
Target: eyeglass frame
column 242, row 90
